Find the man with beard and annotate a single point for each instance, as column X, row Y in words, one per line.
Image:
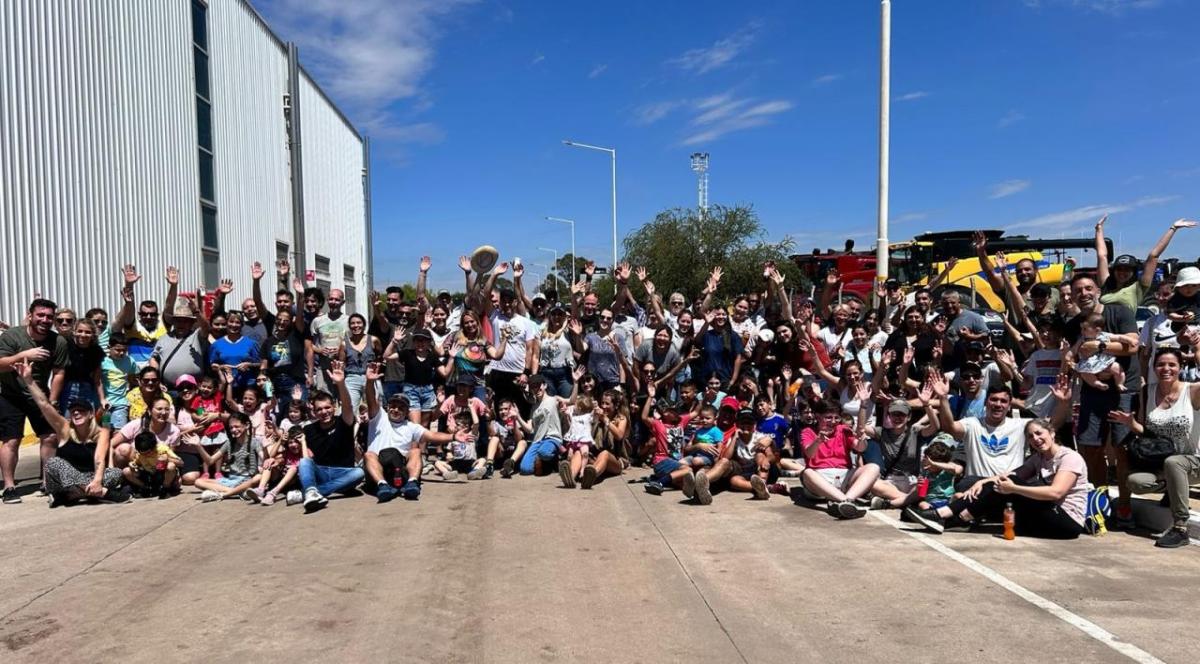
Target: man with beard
column 45, row 350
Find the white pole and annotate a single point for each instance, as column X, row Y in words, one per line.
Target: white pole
column 572, row 223
column 885, row 47
column 614, row 213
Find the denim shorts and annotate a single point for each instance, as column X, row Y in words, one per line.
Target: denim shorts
column 230, row 481
column 664, row 468
column 118, row 416
column 420, row 397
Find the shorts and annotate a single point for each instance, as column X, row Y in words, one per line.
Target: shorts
column 747, row 468
column 191, row 462
column 14, row 410
column 903, row 483
column 216, row 440
column 838, row 477
column 420, row 397
column 1093, row 426
column 577, row 445
column 462, row 465
column 664, row 468
column 118, row 416
column 230, row 481
column 704, row 460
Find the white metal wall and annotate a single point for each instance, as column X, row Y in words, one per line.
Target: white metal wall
column 97, row 149
column 253, row 183
column 334, row 207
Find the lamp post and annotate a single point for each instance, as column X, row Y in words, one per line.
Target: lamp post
column 574, row 258
column 612, row 153
column 885, row 84
column 555, row 264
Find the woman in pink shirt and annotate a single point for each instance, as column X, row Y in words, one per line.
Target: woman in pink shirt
column 829, row 455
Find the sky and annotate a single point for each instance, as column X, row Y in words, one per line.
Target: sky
column 1033, row 116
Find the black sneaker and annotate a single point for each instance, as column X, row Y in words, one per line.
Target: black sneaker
column 928, row 518
column 118, row 495
column 654, row 488
column 1173, row 539
column 508, row 469
column 11, row 497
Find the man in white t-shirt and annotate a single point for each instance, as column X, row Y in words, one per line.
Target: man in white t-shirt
column 994, row 445
column 507, row 376
column 395, row 444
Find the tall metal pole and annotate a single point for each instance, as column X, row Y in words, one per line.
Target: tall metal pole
column 885, row 66
column 573, row 256
column 614, row 211
column 370, row 267
column 299, row 247
column 554, row 267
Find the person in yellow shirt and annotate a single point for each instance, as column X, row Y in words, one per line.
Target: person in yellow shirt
column 153, row 467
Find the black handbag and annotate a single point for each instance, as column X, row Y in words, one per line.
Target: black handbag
column 1147, row 453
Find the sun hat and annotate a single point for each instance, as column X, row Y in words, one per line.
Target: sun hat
column 484, row 259
column 1188, row 276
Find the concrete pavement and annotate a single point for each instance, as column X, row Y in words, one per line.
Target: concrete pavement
column 522, row 571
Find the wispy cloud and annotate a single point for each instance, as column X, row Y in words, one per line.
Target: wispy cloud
column 1111, row 7
column 368, row 54
column 1010, row 118
column 723, row 114
column 597, row 70
column 1008, row 188
column 1089, row 213
column 908, row 216
column 1186, row 173
column 826, row 79
column 721, row 53
column 538, row 59
column 651, row 113
column 1133, row 178
column 912, row 96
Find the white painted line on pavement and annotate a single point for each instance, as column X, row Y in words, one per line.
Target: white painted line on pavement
column 1079, row 622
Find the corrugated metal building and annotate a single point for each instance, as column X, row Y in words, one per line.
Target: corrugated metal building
column 166, row 132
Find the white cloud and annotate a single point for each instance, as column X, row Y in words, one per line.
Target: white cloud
column 367, row 54
column 1008, row 188
column 826, row 79
column 597, row 70
column 908, row 216
column 1010, row 118
column 651, row 113
column 538, row 58
column 1089, row 213
column 1188, row 173
column 721, row 53
column 1112, row 7
column 911, row 96
column 724, row 114
column 1133, row 178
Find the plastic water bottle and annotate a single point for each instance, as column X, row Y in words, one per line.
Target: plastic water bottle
column 923, row 487
column 1010, row 522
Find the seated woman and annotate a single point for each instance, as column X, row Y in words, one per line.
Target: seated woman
column 1048, row 492
column 1174, row 418
column 80, row 468
column 830, row 471
column 610, row 430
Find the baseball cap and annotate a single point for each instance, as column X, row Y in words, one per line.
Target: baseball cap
column 892, row 284
column 443, row 292
column 80, row 404
column 976, row 345
column 537, row 296
column 1188, row 276
column 465, row 379
column 185, row 379
column 731, row 403
column 899, row 406
column 1125, row 260
column 558, row 309
column 422, row 334
column 746, row 414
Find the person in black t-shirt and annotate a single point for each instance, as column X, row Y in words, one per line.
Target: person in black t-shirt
column 1094, row 431
column 330, row 468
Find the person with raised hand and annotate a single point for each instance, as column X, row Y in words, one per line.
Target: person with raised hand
column 332, row 468
column 1120, row 283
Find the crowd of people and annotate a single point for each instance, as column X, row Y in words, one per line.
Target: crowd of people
column 902, row 402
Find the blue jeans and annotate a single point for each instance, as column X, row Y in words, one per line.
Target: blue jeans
column 356, row 385
column 558, row 381
column 328, row 479
column 283, row 385
column 545, row 449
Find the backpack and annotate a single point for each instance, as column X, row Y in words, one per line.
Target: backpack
column 1099, row 510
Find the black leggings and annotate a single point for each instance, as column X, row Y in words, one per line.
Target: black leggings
column 1034, row 518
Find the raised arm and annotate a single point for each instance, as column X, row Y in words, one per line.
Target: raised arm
column 1101, row 252
column 710, row 289
column 125, row 318
column 423, row 275
column 373, row 375
column 168, row 313
column 979, row 241
column 941, row 389
column 523, row 303
column 1152, row 260
column 337, row 374
column 224, row 288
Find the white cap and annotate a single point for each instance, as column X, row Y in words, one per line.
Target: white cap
column 1188, row 276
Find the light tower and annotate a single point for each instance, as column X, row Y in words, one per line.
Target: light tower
column 700, row 166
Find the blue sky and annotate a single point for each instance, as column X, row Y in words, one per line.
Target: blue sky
column 1035, row 116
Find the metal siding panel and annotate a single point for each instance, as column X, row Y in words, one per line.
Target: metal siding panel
column 334, row 206
column 97, row 166
column 249, row 78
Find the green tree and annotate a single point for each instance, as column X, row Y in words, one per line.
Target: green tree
column 679, row 250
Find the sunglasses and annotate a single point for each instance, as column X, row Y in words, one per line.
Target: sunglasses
column 66, row 321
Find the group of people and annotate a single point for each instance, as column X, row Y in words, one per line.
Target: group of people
column 897, row 403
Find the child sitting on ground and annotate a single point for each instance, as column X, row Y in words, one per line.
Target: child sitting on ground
column 206, row 410
column 460, row 457
column 281, row 465
column 939, row 470
column 579, row 443
column 702, row 447
column 506, row 440
column 667, row 430
column 1098, row 367
column 153, row 468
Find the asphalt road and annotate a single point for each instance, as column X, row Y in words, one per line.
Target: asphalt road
column 523, row 571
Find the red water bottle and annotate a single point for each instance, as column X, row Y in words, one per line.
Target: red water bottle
column 161, row 465
column 923, row 487
column 398, row 481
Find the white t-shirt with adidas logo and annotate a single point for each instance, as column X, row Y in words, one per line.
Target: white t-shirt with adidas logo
column 996, row 450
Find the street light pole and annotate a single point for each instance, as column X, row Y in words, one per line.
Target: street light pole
column 555, row 265
column 612, row 153
column 574, row 257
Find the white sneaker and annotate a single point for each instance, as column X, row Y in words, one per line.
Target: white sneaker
column 450, row 475
column 294, row 497
column 313, row 501
column 878, row 503
column 208, row 496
